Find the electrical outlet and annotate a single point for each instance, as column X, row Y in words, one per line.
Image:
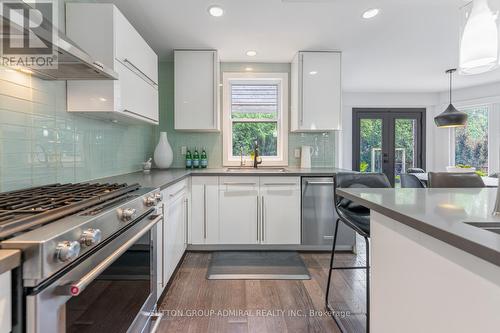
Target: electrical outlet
column 297, row 153
column 183, row 150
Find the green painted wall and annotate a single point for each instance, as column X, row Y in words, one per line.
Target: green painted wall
column 323, row 143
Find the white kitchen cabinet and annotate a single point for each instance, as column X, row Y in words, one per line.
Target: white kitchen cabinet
column 196, row 90
column 204, row 210
column 5, row 302
column 280, row 210
column 104, row 32
column 239, row 210
column 316, row 91
column 176, row 215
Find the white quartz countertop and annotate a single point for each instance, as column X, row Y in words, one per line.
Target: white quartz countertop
column 164, row 178
column 439, row 212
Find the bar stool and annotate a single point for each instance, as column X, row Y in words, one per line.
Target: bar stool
column 357, row 218
column 409, row 180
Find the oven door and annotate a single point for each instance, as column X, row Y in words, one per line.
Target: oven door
column 113, row 289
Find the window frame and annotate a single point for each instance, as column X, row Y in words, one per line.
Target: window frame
column 282, row 118
column 493, row 127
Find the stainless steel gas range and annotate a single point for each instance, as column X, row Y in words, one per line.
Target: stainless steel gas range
column 88, row 256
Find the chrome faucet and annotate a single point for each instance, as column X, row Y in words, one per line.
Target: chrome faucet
column 256, row 161
column 242, row 163
column 496, row 210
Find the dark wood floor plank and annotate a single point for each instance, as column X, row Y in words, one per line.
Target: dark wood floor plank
column 263, row 299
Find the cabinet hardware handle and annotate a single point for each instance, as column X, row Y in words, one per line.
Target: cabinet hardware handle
column 258, row 219
column 263, row 220
column 301, row 93
column 229, row 183
column 278, row 184
column 140, row 115
column 216, row 91
column 179, row 191
column 144, row 75
column 186, row 220
column 204, row 211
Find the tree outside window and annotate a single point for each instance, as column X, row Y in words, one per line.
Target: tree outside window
column 471, row 141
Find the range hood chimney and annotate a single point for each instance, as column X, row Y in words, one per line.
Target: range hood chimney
column 73, row 63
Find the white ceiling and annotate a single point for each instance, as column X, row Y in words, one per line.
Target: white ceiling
column 406, row 48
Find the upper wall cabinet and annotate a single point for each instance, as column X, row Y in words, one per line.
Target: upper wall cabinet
column 316, row 91
column 103, row 31
column 196, row 90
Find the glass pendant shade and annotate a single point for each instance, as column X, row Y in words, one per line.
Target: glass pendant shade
column 479, row 42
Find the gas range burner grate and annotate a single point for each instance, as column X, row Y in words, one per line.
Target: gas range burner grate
column 29, row 208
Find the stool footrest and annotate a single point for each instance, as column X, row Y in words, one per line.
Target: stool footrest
column 350, row 267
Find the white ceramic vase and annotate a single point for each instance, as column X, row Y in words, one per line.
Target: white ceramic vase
column 163, row 155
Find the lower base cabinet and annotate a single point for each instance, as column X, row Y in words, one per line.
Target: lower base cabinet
column 172, row 234
column 239, row 210
column 5, row 302
column 280, row 210
column 245, row 210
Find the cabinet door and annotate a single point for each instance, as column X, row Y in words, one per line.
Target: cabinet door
column 239, row 204
column 196, row 90
column 132, row 49
column 204, row 210
column 320, row 91
column 280, row 209
column 173, row 234
column 6, row 302
column 137, row 97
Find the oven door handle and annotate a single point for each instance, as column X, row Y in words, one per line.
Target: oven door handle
column 75, row 288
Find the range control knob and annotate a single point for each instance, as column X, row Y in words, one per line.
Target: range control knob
column 158, row 196
column 126, row 214
column 150, row 200
column 90, row 237
column 66, row 250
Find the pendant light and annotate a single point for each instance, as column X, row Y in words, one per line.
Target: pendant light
column 479, row 42
column 451, row 117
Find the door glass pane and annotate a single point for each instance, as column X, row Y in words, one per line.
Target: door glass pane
column 405, row 132
column 370, row 150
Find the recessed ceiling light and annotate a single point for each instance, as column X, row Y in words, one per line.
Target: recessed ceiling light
column 313, row 72
column 251, row 53
column 371, row 13
column 215, row 11
column 249, row 69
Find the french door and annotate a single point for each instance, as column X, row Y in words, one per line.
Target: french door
column 388, row 140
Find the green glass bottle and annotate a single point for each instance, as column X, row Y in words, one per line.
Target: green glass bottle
column 189, row 160
column 203, row 159
column 196, row 159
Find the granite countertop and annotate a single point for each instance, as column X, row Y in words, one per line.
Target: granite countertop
column 164, row 178
column 9, row 259
column 440, row 213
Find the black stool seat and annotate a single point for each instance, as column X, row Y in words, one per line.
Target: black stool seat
column 359, row 221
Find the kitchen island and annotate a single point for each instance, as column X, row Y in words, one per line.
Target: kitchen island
column 431, row 271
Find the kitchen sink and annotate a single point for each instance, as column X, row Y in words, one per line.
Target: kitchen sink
column 255, row 170
column 489, row 226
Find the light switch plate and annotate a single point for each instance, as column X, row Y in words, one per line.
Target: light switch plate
column 183, row 150
column 297, row 153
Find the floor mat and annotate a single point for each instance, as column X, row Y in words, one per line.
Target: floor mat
column 257, row 265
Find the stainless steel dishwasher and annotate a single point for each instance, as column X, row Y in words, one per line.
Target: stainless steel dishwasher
column 319, row 217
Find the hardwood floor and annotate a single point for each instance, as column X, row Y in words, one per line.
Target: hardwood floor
column 195, row 304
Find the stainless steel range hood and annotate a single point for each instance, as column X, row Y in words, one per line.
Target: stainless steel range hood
column 72, row 63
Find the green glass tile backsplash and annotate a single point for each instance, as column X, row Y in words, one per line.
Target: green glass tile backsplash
column 41, row 143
